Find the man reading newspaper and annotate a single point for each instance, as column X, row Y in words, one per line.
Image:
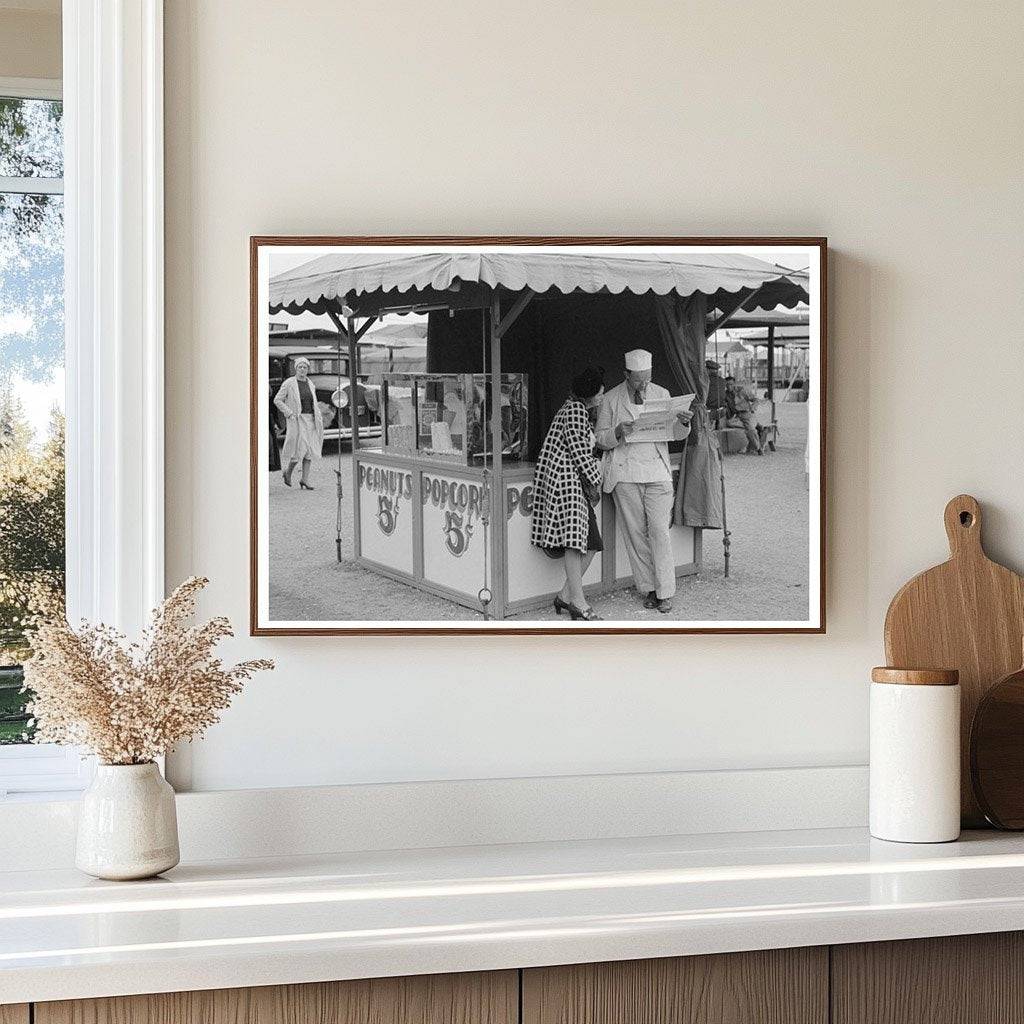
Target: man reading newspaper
column 639, row 475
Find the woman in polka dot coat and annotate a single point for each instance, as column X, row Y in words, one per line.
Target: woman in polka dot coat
column 564, row 523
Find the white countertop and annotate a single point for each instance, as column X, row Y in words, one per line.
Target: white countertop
column 261, row 922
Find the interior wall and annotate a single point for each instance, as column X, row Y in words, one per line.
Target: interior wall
column 895, row 129
column 30, row 42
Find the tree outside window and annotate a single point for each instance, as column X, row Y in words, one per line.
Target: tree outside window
column 31, row 386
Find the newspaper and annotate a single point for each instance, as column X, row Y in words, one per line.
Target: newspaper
column 656, row 420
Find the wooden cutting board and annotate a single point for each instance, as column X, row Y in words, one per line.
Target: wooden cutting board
column 967, row 614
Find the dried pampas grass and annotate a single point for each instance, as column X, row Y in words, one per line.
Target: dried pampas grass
column 129, row 703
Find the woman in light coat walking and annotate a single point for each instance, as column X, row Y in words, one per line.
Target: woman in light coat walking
column 304, row 434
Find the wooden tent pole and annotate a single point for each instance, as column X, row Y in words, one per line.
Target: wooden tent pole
column 339, row 486
column 513, row 314
column 496, row 582
column 728, row 314
column 353, row 411
column 726, row 534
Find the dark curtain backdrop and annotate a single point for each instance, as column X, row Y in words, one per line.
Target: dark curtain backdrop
column 558, row 335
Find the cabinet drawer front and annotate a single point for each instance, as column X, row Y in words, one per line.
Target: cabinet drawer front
column 961, row 979
column 14, row 1013
column 481, row 998
column 778, row 986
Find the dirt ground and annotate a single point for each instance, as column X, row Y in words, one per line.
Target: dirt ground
column 766, row 506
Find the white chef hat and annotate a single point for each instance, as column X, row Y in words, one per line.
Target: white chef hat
column 638, row 359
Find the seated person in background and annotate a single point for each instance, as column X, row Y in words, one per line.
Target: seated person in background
column 742, row 404
column 718, row 396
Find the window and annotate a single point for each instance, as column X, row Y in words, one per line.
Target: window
column 32, row 563
column 98, row 160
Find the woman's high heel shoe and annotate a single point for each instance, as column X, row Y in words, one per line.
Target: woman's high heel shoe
column 305, row 486
column 561, row 606
column 589, row 615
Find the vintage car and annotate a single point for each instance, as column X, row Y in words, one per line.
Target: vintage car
column 336, row 405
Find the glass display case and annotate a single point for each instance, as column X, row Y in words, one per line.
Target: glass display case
column 398, row 398
column 446, row 416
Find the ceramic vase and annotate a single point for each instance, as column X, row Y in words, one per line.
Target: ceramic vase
column 127, row 825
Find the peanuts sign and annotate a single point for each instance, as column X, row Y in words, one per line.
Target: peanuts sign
column 392, row 488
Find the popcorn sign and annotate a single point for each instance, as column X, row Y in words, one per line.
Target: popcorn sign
column 461, row 503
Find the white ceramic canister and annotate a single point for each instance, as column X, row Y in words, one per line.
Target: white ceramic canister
column 915, row 755
column 127, row 824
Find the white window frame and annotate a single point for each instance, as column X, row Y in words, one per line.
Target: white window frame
column 31, row 88
column 114, row 323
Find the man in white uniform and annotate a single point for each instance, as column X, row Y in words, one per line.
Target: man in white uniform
column 639, row 478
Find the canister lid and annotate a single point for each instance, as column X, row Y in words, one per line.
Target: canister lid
column 916, row 676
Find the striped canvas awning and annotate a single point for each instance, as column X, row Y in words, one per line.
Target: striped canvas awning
column 327, row 282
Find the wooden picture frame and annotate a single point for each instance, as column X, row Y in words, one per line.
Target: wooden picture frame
column 503, row 304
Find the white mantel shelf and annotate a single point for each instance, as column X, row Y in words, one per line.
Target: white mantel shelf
column 267, row 922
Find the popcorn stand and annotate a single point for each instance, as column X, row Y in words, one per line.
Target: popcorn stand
column 443, row 501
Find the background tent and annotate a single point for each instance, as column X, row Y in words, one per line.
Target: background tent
column 567, row 311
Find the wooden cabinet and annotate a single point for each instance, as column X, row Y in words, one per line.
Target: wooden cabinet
column 490, row 998
column 778, row 986
column 962, row 979
column 970, row 979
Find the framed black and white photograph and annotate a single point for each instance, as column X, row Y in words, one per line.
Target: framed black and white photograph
column 537, row 435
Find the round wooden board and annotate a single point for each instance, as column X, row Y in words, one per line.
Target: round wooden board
column 997, row 752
